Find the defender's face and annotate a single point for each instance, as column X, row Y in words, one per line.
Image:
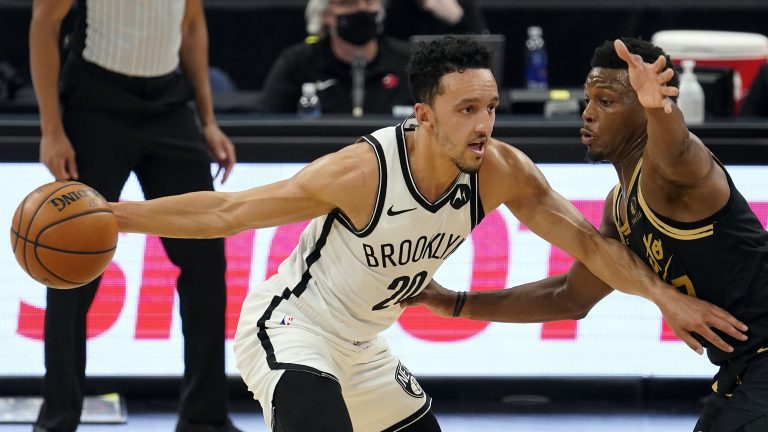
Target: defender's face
column 464, row 114
column 613, row 117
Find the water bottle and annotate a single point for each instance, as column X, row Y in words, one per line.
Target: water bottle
column 309, row 102
column 535, row 59
column 691, row 97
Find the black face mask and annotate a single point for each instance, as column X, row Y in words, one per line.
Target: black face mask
column 357, row 28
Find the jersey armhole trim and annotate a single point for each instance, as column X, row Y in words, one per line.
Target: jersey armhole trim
column 477, row 211
column 381, row 193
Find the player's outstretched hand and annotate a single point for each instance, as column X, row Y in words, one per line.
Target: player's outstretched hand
column 648, row 79
column 686, row 315
column 436, row 298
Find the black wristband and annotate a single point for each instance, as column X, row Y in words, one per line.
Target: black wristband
column 461, row 297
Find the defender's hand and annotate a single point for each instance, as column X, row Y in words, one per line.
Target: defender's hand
column 648, row 79
column 686, row 315
column 436, row 298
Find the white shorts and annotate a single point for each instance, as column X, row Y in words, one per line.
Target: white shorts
column 380, row 393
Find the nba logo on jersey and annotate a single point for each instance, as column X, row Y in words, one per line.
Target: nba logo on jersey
column 287, row 320
column 407, row 381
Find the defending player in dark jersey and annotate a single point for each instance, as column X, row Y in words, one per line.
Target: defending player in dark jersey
column 677, row 209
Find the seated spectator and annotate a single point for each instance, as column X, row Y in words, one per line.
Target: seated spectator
column 755, row 104
column 341, row 32
column 406, row 18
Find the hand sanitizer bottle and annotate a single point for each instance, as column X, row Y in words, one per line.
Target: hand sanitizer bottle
column 691, row 97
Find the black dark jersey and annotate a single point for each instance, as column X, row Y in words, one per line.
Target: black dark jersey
column 722, row 259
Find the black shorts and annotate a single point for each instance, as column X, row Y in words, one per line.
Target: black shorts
column 746, row 410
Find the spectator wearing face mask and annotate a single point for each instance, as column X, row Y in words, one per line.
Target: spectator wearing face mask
column 345, row 35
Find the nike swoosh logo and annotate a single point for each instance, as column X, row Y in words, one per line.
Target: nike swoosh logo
column 391, row 212
column 762, row 350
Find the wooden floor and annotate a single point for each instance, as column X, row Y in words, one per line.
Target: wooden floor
column 159, row 416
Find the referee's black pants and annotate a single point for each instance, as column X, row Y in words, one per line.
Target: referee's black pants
column 163, row 146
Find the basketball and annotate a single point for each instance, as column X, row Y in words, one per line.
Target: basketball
column 64, row 234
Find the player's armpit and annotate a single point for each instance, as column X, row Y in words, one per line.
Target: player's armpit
column 347, row 179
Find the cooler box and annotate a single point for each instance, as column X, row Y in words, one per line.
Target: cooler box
column 744, row 52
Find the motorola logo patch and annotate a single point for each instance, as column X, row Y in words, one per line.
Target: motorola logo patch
column 460, row 196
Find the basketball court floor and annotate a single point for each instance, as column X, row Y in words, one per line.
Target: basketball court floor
column 159, row 416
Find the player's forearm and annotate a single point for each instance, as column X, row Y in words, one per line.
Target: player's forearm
column 192, row 215
column 620, row 268
column 668, row 136
column 540, row 301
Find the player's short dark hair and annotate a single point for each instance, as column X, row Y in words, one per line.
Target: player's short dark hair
column 605, row 56
column 431, row 60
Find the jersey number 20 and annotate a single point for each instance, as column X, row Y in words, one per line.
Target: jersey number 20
column 404, row 287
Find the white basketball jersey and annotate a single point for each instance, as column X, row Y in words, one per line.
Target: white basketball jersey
column 350, row 282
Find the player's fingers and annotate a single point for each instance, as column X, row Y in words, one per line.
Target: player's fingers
column 725, row 315
column 670, row 91
column 729, row 329
column 691, row 342
column 417, row 300
column 622, row 50
column 714, row 339
column 660, row 63
column 666, row 75
column 727, row 323
column 667, row 105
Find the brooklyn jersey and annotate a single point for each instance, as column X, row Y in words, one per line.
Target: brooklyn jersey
column 350, row 281
column 722, row 259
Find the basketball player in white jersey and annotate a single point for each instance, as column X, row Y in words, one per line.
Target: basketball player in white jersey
column 388, row 210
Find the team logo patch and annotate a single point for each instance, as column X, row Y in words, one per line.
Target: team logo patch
column 287, row 320
column 390, row 81
column 407, row 381
column 460, row 196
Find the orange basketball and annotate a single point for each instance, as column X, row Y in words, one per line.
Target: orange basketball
column 64, row 234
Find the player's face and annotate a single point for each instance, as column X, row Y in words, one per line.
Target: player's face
column 614, row 119
column 465, row 111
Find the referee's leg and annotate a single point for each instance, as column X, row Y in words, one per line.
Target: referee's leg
column 104, row 158
column 176, row 161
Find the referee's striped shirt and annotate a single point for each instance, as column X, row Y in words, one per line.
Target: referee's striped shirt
column 139, row 38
